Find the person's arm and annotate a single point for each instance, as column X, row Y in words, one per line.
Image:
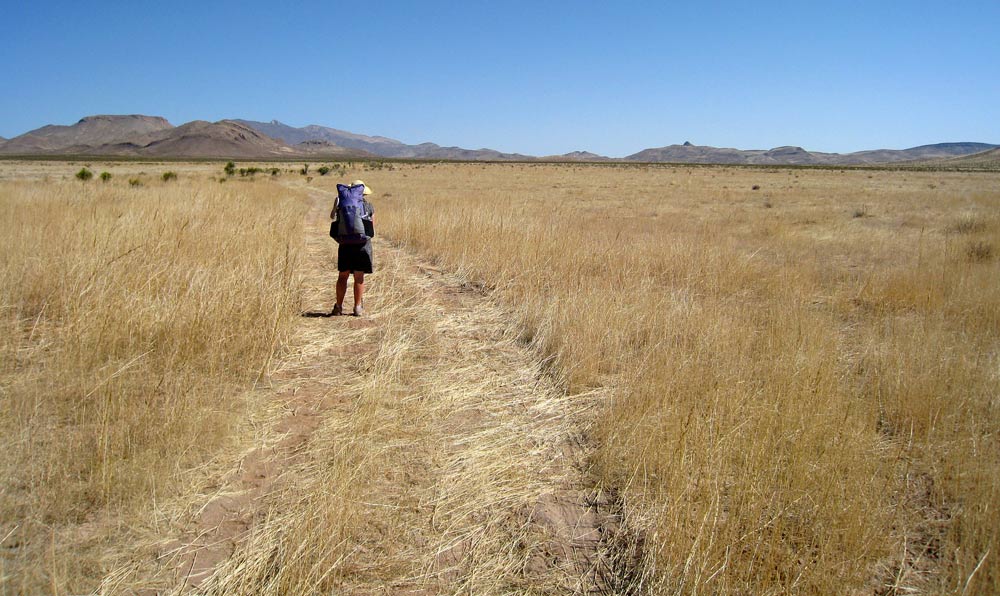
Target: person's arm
column 333, row 212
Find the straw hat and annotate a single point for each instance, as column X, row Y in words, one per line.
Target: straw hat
column 367, row 190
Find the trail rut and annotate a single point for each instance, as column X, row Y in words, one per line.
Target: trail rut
column 454, row 463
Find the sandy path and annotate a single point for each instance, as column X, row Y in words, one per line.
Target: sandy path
column 470, row 475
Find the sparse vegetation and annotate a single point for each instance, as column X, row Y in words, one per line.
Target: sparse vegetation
column 968, row 224
column 134, row 182
column 84, row 174
column 979, row 251
column 323, row 170
column 305, row 169
column 229, row 169
column 168, row 176
column 105, row 176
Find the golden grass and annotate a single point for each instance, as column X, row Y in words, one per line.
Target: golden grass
column 422, row 477
column 133, row 320
column 805, row 375
column 801, row 381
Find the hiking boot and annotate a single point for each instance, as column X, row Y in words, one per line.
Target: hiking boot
column 337, row 311
column 358, row 310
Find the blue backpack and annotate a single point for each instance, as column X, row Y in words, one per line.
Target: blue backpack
column 349, row 228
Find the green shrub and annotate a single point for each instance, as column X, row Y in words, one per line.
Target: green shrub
column 323, row 170
column 230, row 168
column 105, row 176
column 168, row 176
column 134, row 182
column 84, row 174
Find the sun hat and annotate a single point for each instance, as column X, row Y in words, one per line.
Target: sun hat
column 367, row 190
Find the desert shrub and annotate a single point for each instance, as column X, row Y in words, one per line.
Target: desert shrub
column 134, row 182
column 967, row 224
column 979, row 251
column 305, row 169
column 275, row 171
column 84, row 174
column 323, row 170
column 105, row 176
column 230, row 168
column 168, row 176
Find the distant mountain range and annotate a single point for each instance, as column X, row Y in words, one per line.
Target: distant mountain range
column 153, row 136
column 688, row 153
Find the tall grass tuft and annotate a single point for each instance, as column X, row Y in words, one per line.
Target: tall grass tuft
column 130, row 323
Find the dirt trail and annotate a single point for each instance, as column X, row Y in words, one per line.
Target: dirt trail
column 474, row 455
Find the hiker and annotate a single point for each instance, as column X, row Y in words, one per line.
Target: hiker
column 354, row 255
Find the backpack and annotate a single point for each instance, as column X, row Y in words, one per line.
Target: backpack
column 349, row 228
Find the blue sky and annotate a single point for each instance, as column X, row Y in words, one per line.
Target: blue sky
column 534, row 77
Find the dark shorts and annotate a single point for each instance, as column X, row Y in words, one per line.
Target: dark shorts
column 355, row 257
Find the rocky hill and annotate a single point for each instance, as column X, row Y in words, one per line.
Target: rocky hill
column 138, row 136
column 91, row 131
column 202, row 139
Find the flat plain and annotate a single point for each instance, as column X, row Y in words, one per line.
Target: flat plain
column 754, row 380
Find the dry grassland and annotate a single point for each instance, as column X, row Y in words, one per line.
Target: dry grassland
column 798, row 384
column 805, row 375
column 133, row 321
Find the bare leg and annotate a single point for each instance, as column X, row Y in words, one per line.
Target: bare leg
column 342, row 287
column 359, row 288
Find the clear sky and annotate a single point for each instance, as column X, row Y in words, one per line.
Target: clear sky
column 533, row 77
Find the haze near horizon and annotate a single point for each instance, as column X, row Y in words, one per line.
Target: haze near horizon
column 521, row 77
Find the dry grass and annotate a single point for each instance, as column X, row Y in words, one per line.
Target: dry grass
column 805, row 399
column 794, row 399
column 422, row 478
column 133, row 320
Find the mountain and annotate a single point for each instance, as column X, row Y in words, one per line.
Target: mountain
column 788, row 155
column 88, row 132
column 986, row 160
column 201, row 139
column 577, row 156
column 155, row 137
column 152, row 136
column 380, row 146
column 923, row 152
